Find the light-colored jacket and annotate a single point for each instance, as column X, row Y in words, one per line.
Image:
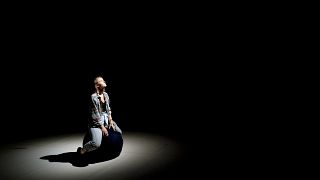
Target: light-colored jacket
column 95, row 119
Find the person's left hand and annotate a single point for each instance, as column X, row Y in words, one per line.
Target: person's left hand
column 112, row 124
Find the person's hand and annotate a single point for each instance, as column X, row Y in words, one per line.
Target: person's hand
column 112, row 125
column 104, row 131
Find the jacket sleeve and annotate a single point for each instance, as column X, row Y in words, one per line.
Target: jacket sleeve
column 95, row 115
column 108, row 105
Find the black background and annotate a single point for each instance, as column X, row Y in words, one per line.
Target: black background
column 180, row 74
column 158, row 69
column 53, row 97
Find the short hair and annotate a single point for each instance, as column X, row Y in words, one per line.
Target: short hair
column 95, row 79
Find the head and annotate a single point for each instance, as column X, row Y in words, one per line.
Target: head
column 99, row 83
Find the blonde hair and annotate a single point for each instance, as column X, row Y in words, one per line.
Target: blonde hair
column 96, row 79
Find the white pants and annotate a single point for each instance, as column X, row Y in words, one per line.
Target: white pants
column 93, row 138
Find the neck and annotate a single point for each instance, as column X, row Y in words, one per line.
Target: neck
column 100, row 92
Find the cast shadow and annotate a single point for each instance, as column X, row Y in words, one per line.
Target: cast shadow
column 78, row 160
column 110, row 148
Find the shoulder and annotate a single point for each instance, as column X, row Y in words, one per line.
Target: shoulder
column 94, row 95
column 106, row 94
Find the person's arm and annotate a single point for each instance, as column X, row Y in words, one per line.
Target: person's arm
column 104, row 130
column 111, row 122
column 107, row 99
column 95, row 115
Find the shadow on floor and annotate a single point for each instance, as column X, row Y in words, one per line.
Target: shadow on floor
column 111, row 148
column 80, row 160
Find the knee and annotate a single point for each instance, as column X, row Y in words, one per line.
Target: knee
column 96, row 145
column 93, row 146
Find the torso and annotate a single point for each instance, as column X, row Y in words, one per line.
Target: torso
column 102, row 103
column 102, row 98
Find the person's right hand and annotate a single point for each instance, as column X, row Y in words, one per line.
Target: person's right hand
column 104, row 131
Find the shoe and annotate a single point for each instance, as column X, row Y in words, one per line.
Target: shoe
column 79, row 150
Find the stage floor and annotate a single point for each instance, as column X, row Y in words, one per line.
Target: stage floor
column 143, row 156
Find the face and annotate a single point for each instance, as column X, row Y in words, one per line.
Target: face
column 100, row 83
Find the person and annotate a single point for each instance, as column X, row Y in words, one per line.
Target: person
column 100, row 119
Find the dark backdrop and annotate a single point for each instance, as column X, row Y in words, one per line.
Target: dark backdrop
column 173, row 76
column 41, row 98
column 165, row 74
